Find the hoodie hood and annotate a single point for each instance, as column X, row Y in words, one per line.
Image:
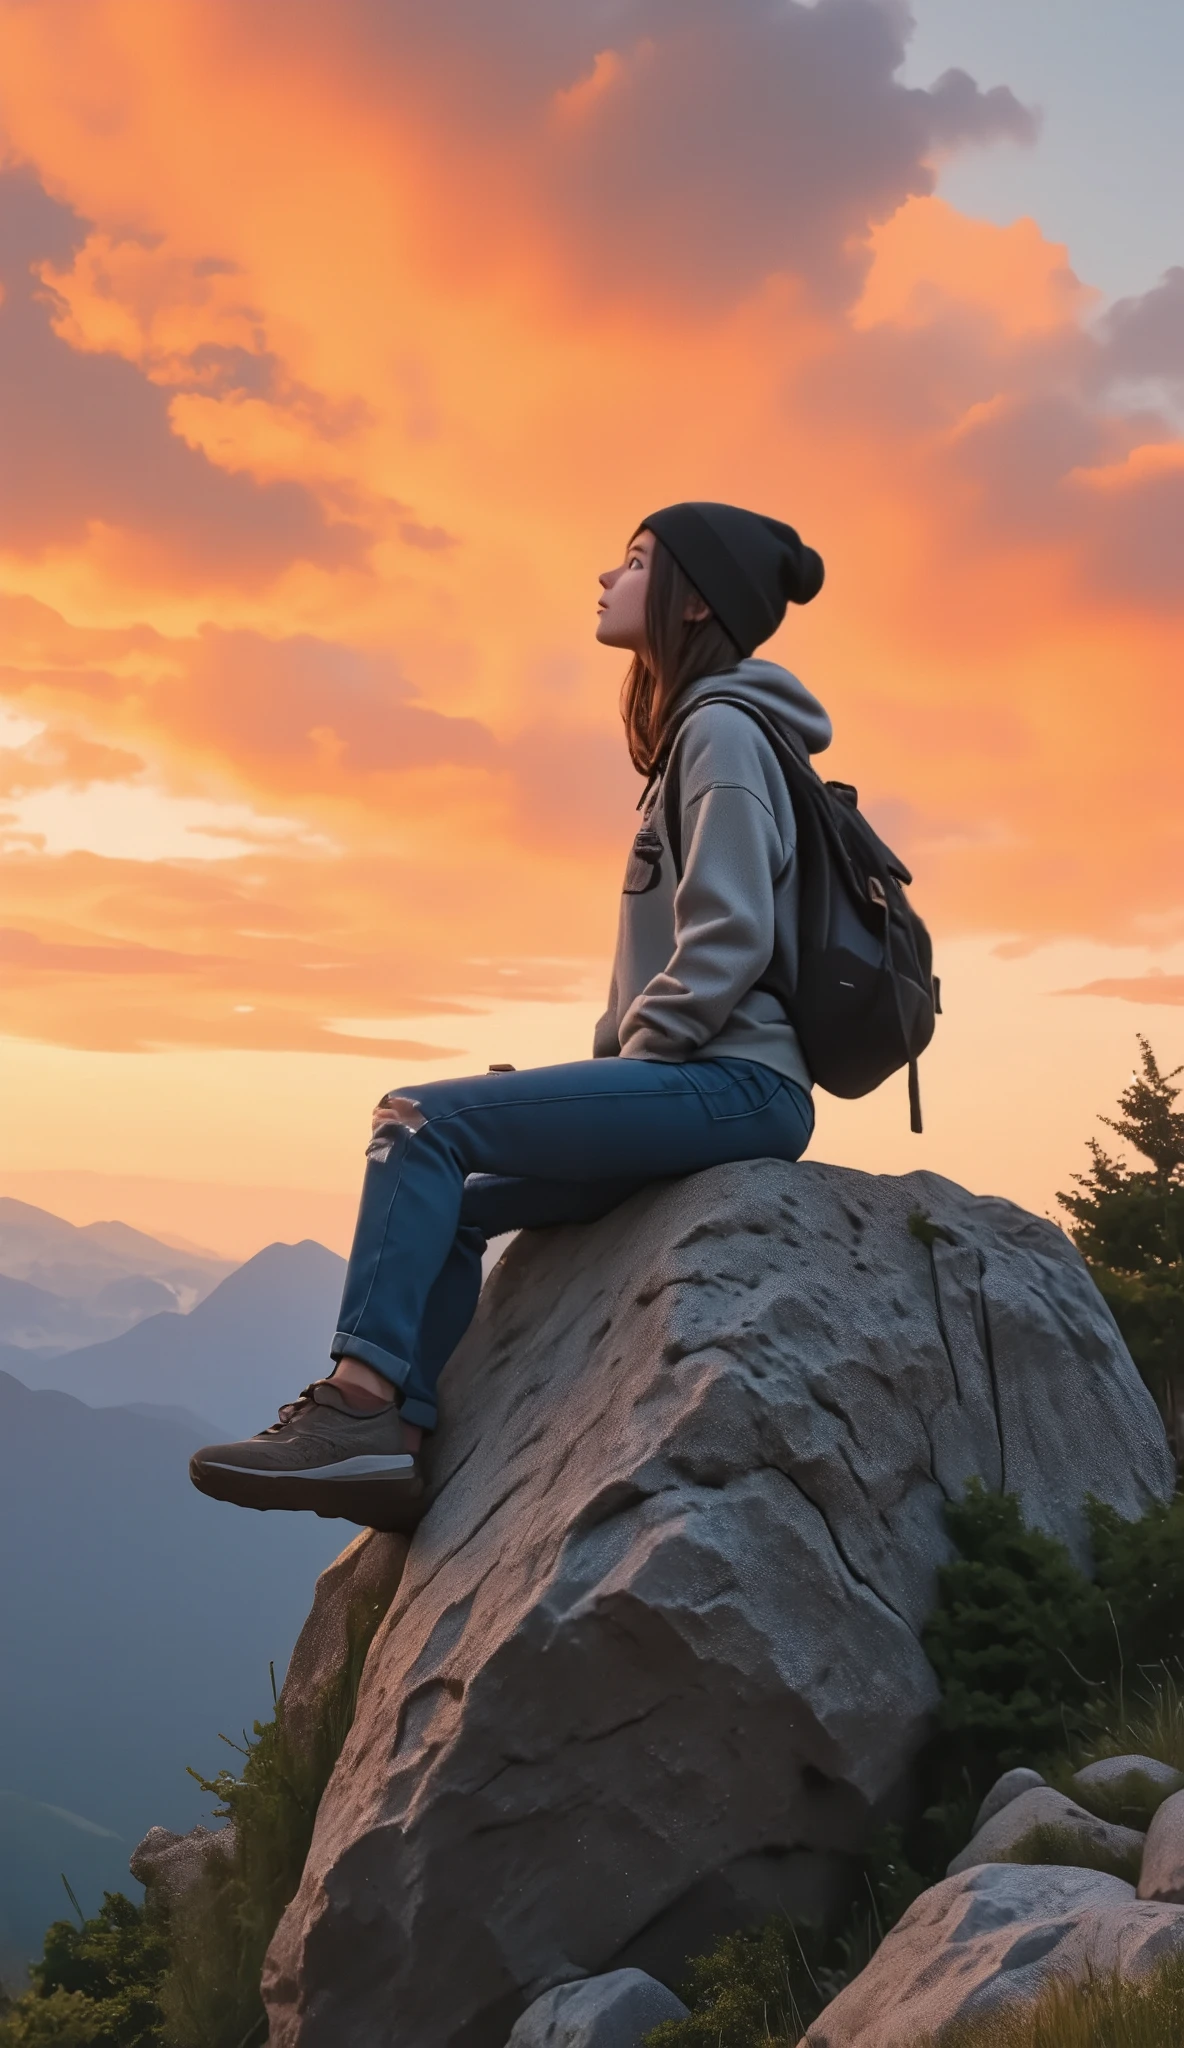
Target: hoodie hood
column 774, row 691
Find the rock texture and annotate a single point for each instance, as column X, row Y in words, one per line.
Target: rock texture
column 1112, row 1773
column 1003, row 1791
column 654, row 1668
column 993, row 1937
column 1003, row 1838
column 616, row 2011
column 171, row 1864
column 1162, row 1875
column 350, row 1593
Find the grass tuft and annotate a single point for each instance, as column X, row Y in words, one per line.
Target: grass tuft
column 1145, row 1718
column 1049, row 1842
column 1104, row 2012
column 1129, row 1802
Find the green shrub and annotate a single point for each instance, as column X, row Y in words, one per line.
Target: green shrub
column 1018, row 1640
column 1104, row 2012
column 62, row 2019
column 147, row 1977
column 751, row 1989
column 96, row 1985
column 1128, row 1225
column 1140, row 1576
column 220, row 1930
column 1032, row 1656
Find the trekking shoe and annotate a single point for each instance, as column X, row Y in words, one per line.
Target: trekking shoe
column 324, row 1457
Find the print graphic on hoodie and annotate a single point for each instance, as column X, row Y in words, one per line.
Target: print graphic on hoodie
column 689, row 955
column 644, row 871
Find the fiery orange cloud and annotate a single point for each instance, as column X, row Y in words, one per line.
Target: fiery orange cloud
column 340, row 352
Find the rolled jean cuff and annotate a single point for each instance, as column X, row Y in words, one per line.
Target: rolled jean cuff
column 424, row 1414
column 385, row 1362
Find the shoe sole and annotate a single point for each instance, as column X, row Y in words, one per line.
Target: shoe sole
column 377, row 1492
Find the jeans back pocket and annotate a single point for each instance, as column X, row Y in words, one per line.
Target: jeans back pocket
column 734, row 1088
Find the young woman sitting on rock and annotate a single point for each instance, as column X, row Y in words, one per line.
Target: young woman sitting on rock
column 694, row 1062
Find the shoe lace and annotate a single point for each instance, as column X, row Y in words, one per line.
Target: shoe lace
column 304, row 1399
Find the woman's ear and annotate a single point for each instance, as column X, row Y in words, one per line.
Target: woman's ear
column 695, row 610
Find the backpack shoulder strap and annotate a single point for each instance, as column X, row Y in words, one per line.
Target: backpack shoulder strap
column 784, row 744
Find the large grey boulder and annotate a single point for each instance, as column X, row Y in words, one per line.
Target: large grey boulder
column 993, row 1937
column 654, row 1668
column 1162, row 1875
column 615, row 2011
column 1018, row 1825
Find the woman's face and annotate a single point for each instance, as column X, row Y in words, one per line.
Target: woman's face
column 621, row 621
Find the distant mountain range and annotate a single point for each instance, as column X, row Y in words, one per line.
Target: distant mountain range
column 63, row 1285
column 254, row 1342
column 138, row 1618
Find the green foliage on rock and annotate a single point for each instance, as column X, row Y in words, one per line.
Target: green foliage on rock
column 220, row 1930
column 1128, row 1224
column 1049, row 1843
column 1131, row 1802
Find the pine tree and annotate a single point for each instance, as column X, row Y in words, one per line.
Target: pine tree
column 1128, row 1224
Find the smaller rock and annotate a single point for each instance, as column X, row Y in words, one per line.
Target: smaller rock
column 1000, row 1839
column 1003, row 1791
column 990, row 1939
column 1162, row 1875
column 171, row 1864
column 350, row 1593
column 613, row 2011
column 1111, row 1771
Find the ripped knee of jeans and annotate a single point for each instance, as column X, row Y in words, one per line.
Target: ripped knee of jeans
column 396, row 1118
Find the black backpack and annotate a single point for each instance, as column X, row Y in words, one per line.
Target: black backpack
column 866, row 996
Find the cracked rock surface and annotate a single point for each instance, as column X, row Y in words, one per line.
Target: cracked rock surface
column 654, row 1669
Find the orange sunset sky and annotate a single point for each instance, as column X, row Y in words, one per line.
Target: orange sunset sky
column 340, row 347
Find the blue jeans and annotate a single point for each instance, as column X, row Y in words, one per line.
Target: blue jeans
column 462, row 1161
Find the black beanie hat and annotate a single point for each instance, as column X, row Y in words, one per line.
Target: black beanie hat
column 745, row 566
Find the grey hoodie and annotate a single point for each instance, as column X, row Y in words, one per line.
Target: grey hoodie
column 688, row 957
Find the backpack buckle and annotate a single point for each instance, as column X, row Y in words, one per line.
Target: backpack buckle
column 876, row 891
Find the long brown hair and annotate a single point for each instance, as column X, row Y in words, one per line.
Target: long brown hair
column 680, row 651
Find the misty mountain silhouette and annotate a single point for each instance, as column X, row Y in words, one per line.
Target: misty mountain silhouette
column 254, row 1342
column 33, row 1318
column 137, row 1620
column 63, row 1285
